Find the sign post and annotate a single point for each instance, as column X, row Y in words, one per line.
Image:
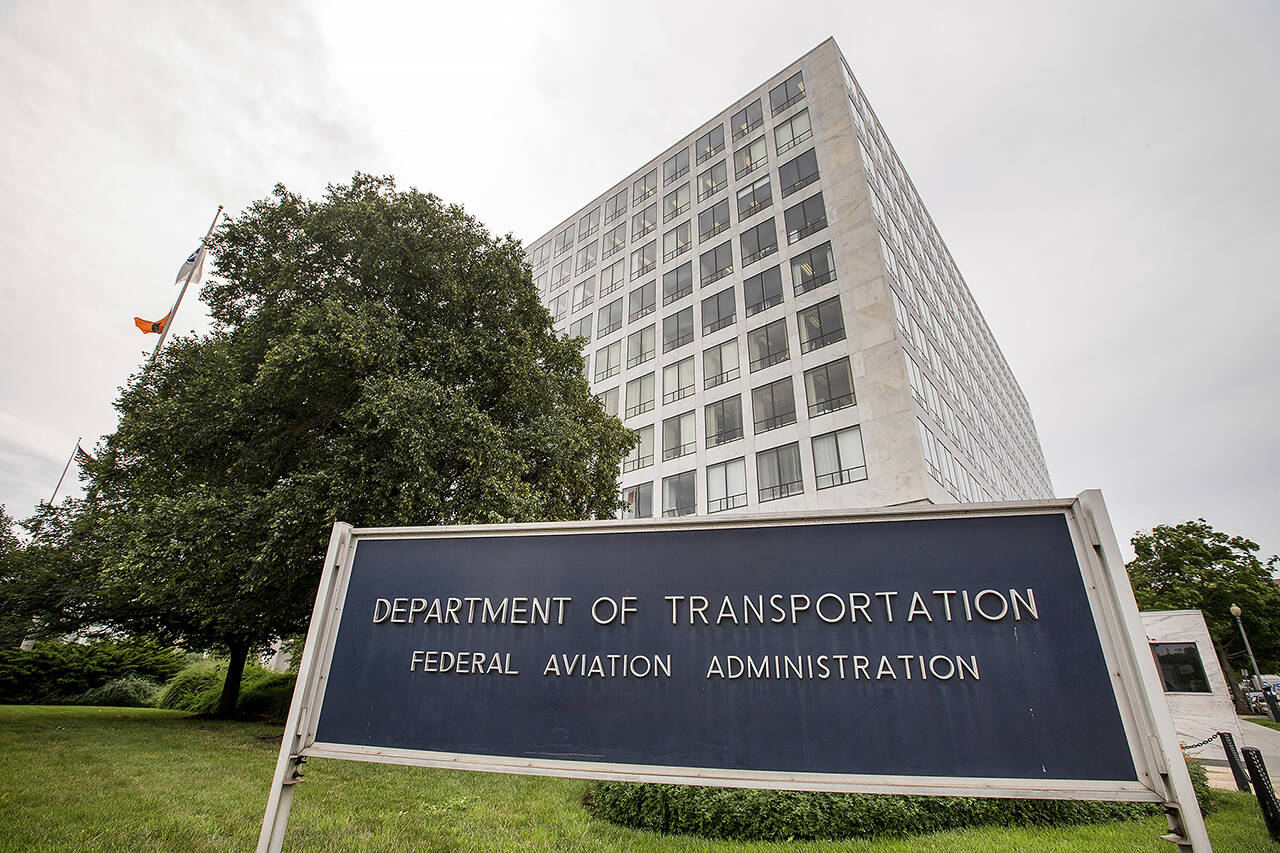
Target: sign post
column 968, row 650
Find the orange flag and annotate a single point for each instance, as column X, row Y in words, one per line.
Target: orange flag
column 149, row 328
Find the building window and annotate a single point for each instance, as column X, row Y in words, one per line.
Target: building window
column 712, row 181
column 560, row 306
column 643, row 300
column 778, row 472
column 754, row 198
column 724, row 421
column 813, row 268
column 583, row 292
column 641, row 455
column 716, row 264
column 609, row 401
column 829, row 387
column 713, row 220
column 563, row 242
column 540, row 281
column 797, row 174
column 589, row 224
column 677, row 283
column 615, row 206
column 838, row 458
column 749, row 158
column 821, row 325
column 927, row 446
column 561, row 273
column 587, row 256
column 677, row 329
column 675, row 203
column 720, row 364
column 773, row 405
column 768, row 344
column 759, row 242
column 608, row 361
column 678, row 438
column 675, row 167
column 639, row 395
column 763, row 290
column 727, row 485
column 787, row 93
column 679, row 496
column 581, row 328
column 615, row 240
column 747, row 119
column 792, row 132
column 644, row 187
column 807, row 217
column 644, row 259
column 677, row 380
column 644, row 221
column 610, row 318
column 710, row 144
column 638, row 501
column 541, row 255
column 677, row 241
column 1180, row 667
column 640, row 346
column 718, row 311
column 613, row 277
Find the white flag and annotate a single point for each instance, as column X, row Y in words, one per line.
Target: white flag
column 191, row 267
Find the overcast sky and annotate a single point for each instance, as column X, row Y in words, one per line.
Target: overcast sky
column 1106, row 175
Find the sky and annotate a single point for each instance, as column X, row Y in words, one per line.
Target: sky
column 1105, row 174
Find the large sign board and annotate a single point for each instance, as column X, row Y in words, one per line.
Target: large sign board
column 985, row 650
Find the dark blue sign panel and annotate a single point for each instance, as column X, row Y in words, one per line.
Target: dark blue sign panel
column 961, row 647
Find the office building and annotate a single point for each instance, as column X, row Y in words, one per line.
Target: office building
column 769, row 305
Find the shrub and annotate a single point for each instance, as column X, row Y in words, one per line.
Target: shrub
column 266, row 694
column 128, row 692
column 59, row 673
column 196, row 688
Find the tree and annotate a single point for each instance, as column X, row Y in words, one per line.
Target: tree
column 1194, row 566
column 377, row 358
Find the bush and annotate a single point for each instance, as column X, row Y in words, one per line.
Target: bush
column 266, row 694
column 59, row 673
column 199, row 687
column 128, row 692
column 1200, row 782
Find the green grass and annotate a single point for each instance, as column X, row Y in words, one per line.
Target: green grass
column 1262, row 721
column 115, row 779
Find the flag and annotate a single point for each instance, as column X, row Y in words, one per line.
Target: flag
column 191, row 266
column 82, row 457
column 147, row 327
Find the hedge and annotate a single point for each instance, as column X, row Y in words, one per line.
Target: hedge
column 199, row 687
column 54, row 673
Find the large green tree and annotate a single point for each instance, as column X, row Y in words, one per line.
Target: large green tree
column 377, row 358
column 1192, row 565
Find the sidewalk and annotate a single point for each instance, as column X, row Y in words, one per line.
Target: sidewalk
column 1265, row 739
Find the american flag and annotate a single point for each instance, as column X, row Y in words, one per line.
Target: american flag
column 82, row 457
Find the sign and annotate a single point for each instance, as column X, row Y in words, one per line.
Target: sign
column 964, row 650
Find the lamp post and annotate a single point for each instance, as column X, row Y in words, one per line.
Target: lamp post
column 1257, row 676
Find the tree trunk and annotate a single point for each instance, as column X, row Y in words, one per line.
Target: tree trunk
column 1237, row 695
column 235, row 671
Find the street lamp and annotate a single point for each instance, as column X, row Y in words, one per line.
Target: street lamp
column 1257, row 676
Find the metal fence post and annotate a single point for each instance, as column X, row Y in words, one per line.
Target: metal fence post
column 1233, row 758
column 1262, row 789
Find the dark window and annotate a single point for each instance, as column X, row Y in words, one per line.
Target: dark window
column 644, row 221
column 675, row 167
column 644, row 187
column 821, row 324
column 792, row 132
column 677, row 329
column 716, row 264
column 798, row 173
column 713, row 180
column 754, row 198
column 778, row 472
column 768, row 344
column 615, row 240
column 807, row 217
column 773, row 405
column 759, row 242
column 638, row 500
column 640, row 346
column 813, row 268
column 581, row 328
column 615, row 206
column 789, row 92
column 747, row 119
column 677, row 241
column 718, row 311
column 675, row 203
column 677, row 283
column 749, row 158
column 589, row 224
column 678, row 438
column 763, row 290
column 644, row 259
column 713, row 220
column 610, row 318
column 829, row 387
column 679, row 495
column 710, row 143
column 838, row 458
column 643, row 300
column 724, row 420
column 1180, row 667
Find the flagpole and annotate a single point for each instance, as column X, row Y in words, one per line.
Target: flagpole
column 65, row 468
column 164, row 333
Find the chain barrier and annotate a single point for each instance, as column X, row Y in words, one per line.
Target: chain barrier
column 1197, row 745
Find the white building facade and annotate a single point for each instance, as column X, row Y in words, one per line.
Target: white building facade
column 769, row 305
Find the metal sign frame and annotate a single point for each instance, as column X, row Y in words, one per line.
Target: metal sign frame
column 1161, row 773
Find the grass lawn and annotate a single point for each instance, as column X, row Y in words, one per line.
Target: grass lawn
column 115, row 779
column 1262, row 721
